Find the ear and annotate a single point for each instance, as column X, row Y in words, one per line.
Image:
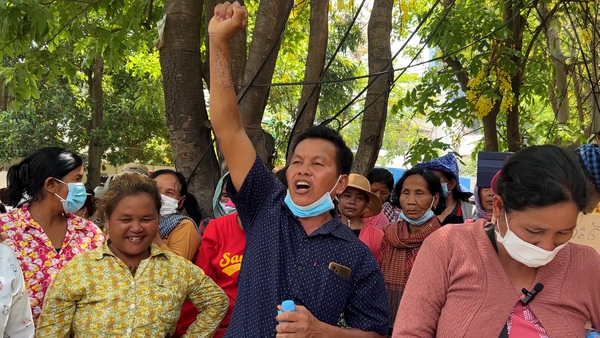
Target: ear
column 342, row 184
column 51, row 185
column 497, row 206
column 181, row 202
column 106, row 223
column 451, row 185
column 436, row 200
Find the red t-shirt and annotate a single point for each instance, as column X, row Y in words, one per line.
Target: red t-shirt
column 220, row 257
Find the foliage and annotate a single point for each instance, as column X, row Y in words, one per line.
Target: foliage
column 48, row 50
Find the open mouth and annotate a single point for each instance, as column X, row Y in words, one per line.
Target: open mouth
column 302, row 186
column 137, row 239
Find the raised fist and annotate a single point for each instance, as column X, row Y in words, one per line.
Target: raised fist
column 228, row 20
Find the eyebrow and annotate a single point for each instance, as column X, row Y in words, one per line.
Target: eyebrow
column 537, row 228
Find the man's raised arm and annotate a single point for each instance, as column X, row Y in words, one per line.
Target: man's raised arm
column 228, row 20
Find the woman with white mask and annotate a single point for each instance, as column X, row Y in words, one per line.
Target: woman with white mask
column 176, row 232
column 518, row 278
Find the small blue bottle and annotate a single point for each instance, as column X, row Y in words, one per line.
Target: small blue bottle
column 286, row 305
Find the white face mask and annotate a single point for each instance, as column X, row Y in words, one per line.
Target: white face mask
column 526, row 253
column 169, row 205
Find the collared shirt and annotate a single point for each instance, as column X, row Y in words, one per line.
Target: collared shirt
column 39, row 259
column 282, row 262
column 16, row 320
column 96, row 295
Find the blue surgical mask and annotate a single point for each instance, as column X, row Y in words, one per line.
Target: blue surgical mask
column 445, row 189
column 318, row 207
column 426, row 216
column 75, row 198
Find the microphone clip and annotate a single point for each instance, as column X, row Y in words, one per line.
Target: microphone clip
column 530, row 295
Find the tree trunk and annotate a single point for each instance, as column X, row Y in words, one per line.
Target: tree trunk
column 95, row 149
column 516, row 24
column 3, row 95
column 315, row 64
column 185, row 107
column 578, row 92
column 271, row 18
column 594, row 97
column 490, row 132
column 559, row 88
column 375, row 115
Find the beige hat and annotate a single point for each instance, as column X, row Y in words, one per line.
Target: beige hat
column 136, row 168
column 362, row 183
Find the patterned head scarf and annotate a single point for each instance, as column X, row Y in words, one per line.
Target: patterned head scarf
column 590, row 157
column 447, row 164
column 217, row 208
column 481, row 212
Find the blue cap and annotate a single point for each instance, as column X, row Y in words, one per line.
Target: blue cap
column 288, row 305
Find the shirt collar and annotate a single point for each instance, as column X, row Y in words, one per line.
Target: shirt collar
column 334, row 226
column 73, row 222
column 104, row 250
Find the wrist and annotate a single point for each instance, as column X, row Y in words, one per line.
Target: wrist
column 216, row 42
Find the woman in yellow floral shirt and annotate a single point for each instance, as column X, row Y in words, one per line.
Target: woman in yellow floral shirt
column 44, row 232
column 129, row 287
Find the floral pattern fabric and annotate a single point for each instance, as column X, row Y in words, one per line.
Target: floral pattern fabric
column 16, row 320
column 96, row 295
column 36, row 253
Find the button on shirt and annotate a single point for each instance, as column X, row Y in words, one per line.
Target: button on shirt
column 282, row 262
column 95, row 295
column 39, row 259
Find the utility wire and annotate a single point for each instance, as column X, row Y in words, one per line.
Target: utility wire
column 322, row 77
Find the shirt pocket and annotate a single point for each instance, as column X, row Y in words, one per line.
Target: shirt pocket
column 332, row 290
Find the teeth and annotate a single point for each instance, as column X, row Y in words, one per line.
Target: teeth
column 302, row 183
column 135, row 239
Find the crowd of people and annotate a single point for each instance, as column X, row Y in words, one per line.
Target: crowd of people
column 359, row 256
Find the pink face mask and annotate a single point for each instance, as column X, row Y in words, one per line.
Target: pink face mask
column 230, row 204
column 228, row 208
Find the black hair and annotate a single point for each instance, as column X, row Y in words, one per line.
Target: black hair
column 180, row 178
column 129, row 185
column 540, row 176
column 381, row 175
column 456, row 193
column 30, row 175
column 433, row 182
column 280, row 175
column 344, row 154
column 192, row 208
column 91, row 207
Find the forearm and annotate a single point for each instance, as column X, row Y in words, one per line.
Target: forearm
column 224, row 113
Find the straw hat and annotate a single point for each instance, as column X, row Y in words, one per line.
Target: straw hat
column 362, row 183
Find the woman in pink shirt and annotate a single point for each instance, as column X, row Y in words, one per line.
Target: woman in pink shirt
column 520, row 278
column 44, row 232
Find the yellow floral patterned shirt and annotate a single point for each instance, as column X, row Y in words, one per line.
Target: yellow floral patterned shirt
column 96, row 295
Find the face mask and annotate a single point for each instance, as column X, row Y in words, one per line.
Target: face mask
column 318, row 207
column 445, row 189
column 75, row 198
column 426, row 216
column 523, row 252
column 169, row 205
column 229, row 208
